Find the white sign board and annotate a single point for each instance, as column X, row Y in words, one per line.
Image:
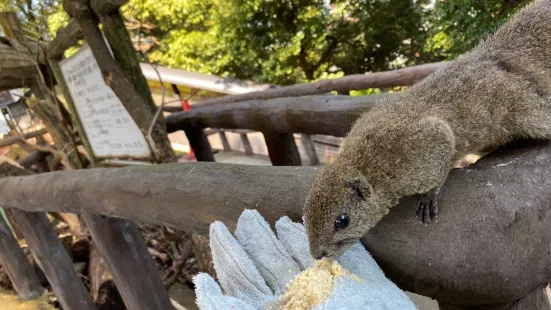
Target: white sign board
column 109, row 127
column 4, row 128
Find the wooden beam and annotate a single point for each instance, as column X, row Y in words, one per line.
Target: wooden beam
column 496, row 208
column 123, row 50
column 224, row 139
column 200, row 144
column 327, row 115
column 7, row 83
column 34, row 158
column 21, row 273
column 11, row 26
column 106, row 7
column 65, row 38
column 12, row 140
column 133, row 268
column 49, row 253
column 17, row 66
column 54, row 260
column 246, row 143
column 402, row 77
column 282, row 149
column 310, row 150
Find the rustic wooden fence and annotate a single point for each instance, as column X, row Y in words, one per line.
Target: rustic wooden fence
column 490, row 246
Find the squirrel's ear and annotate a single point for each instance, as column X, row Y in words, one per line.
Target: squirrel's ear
column 360, row 187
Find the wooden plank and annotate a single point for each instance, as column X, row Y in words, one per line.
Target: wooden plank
column 36, row 157
column 12, row 140
column 327, row 115
column 17, row 266
column 224, row 139
column 125, row 54
column 132, row 267
column 310, row 150
column 200, row 144
column 246, row 143
column 282, row 149
column 65, row 38
column 53, row 259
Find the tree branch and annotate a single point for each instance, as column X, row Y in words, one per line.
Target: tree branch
column 326, row 54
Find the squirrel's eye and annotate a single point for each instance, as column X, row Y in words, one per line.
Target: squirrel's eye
column 342, row 222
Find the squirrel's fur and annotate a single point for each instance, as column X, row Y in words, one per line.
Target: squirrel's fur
column 498, row 92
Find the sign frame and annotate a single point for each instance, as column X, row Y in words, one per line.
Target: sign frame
column 146, row 152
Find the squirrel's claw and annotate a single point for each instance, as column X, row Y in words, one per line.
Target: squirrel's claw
column 427, row 206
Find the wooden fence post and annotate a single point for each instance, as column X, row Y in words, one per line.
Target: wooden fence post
column 246, row 143
column 200, row 144
column 131, row 264
column 54, row 260
column 16, row 264
column 282, row 149
column 224, row 139
column 310, row 149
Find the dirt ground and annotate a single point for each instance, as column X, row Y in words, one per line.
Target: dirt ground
column 10, row 301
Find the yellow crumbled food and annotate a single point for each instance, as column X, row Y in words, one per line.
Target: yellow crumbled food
column 313, row 286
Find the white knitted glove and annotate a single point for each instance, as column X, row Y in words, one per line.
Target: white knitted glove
column 254, row 269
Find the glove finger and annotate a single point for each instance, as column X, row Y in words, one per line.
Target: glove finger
column 209, row 295
column 295, row 240
column 352, row 294
column 236, row 272
column 265, row 250
column 358, row 261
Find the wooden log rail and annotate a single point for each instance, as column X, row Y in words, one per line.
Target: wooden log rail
column 325, row 115
column 490, row 245
column 277, row 119
column 387, row 79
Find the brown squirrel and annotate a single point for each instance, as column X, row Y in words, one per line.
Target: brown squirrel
column 498, row 92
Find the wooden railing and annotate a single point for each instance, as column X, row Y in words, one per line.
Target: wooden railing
column 476, row 222
column 277, row 119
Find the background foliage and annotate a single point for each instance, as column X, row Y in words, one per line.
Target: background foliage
column 291, row 41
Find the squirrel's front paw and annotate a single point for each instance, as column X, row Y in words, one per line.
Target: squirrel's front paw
column 427, row 206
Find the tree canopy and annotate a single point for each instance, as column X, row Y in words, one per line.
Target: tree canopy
column 292, row 41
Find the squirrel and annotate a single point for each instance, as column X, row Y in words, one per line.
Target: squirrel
column 406, row 145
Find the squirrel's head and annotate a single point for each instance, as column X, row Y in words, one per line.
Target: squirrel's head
column 336, row 213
